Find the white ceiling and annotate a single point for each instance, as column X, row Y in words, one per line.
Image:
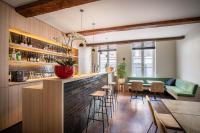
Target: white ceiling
column 109, row 13
column 169, row 31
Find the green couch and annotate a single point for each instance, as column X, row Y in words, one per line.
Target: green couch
column 182, row 88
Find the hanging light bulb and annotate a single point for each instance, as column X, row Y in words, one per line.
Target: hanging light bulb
column 81, row 10
column 93, row 49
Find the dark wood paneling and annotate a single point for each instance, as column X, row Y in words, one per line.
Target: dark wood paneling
column 142, row 26
column 137, row 40
column 76, row 101
column 45, row 6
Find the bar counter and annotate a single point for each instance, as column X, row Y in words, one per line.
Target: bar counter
column 29, row 81
column 59, row 105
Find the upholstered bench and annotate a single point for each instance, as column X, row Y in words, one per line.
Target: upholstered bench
column 183, row 90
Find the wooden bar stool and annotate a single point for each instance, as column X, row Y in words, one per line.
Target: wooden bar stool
column 101, row 97
column 115, row 91
column 109, row 97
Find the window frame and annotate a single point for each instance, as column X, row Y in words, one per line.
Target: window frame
column 143, row 60
column 107, row 50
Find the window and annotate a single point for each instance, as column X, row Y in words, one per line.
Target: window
column 143, row 59
column 107, row 57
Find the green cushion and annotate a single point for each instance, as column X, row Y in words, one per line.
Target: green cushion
column 186, row 87
column 148, row 78
column 178, row 91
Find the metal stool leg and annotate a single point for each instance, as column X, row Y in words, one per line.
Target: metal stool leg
column 89, row 114
column 94, row 108
column 131, row 96
column 113, row 103
column 150, row 127
column 106, row 111
column 110, row 106
column 102, row 115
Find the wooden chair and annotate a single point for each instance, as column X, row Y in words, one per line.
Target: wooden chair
column 136, row 87
column 160, row 125
column 162, row 121
column 157, row 88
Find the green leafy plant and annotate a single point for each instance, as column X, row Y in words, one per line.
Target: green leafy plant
column 122, row 70
column 68, row 61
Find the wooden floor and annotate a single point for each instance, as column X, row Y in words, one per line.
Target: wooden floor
column 129, row 117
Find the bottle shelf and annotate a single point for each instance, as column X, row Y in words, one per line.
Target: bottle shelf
column 37, row 38
column 14, row 62
column 37, row 50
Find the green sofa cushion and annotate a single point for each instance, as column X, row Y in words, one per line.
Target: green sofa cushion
column 146, row 84
column 186, row 87
column 148, row 78
column 178, row 91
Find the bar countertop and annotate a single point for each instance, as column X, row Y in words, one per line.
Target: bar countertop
column 74, row 78
column 29, row 81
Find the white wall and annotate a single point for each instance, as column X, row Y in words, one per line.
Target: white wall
column 166, row 59
column 84, row 59
column 124, row 51
column 188, row 57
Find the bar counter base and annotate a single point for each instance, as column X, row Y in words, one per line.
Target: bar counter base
column 59, row 106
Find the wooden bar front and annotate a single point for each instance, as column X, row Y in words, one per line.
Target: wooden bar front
column 63, row 104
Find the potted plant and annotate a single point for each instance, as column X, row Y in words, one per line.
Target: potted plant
column 121, row 71
column 65, row 68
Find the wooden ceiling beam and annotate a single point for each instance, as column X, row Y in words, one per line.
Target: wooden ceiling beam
column 142, row 26
column 45, row 6
column 136, row 40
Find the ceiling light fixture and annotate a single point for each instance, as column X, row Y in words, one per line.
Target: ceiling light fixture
column 84, row 42
column 93, row 24
column 74, row 36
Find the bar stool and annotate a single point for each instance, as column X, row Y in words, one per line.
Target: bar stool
column 109, row 97
column 101, row 97
column 114, row 88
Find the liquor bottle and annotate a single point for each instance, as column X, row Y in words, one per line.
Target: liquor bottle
column 19, row 39
column 34, row 57
column 18, row 56
column 28, row 41
column 31, row 57
column 9, row 77
column 25, row 41
column 37, row 58
column 13, row 55
column 28, row 56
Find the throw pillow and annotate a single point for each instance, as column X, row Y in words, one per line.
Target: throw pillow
column 171, row 82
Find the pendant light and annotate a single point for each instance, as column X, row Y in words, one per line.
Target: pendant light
column 75, row 36
column 93, row 49
column 81, row 11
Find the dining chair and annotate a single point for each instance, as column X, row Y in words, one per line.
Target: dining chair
column 160, row 125
column 162, row 121
column 157, row 88
column 137, row 88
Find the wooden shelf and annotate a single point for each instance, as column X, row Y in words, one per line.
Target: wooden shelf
column 35, row 50
column 37, row 37
column 13, row 62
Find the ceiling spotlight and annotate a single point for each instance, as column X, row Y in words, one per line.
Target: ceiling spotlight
column 93, row 49
column 81, row 45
